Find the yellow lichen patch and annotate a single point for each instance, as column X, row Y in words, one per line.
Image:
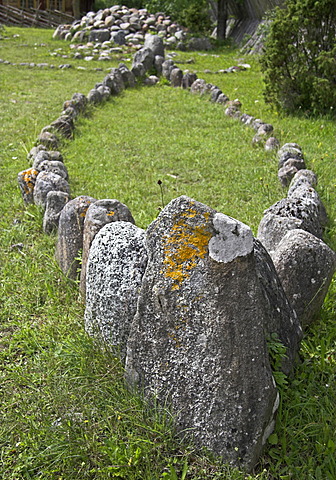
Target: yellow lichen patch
column 83, row 214
column 110, row 214
column 184, row 245
column 29, row 178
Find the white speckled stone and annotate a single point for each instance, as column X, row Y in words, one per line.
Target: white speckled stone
column 115, row 268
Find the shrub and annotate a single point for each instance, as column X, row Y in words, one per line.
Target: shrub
column 299, row 61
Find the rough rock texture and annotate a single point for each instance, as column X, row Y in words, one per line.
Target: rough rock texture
column 99, row 214
column 155, row 43
column 54, row 166
column 145, row 56
column 305, row 266
column 309, row 195
column 116, row 265
column 47, row 182
column 70, row 234
column 284, row 322
column 303, row 177
column 26, row 181
column 176, row 76
column 54, row 205
column 197, row 340
column 272, row 228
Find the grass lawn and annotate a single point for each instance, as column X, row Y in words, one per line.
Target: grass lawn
column 64, row 409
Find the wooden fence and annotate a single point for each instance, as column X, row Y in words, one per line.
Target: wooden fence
column 33, row 17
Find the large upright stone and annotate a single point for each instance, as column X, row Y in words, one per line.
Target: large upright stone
column 115, row 268
column 48, row 182
column 197, row 341
column 99, row 214
column 54, row 205
column 27, row 181
column 155, row 43
column 305, row 266
column 70, row 235
column 145, row 56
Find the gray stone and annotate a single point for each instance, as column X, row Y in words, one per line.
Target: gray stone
column 114, row 81
column 40, row 157
column 104, row 91
column 27, row 180
column 145, row 56
column 115, row 268
column 288, row 152
column 188, row 79
column 54, row 205
column 196, row 43
column 284, row 324
column 34, row 151
column 99, row 214
column 215, row 93
column 151, row 81
column 176, row 76
column 222, row 99
column 118, row 37
column 155, row 43
column 308, row 213
column 272, row 228
column 305, row 266
column 70, row 235
column 138, row 70
column 158, row 62
column 286, row 173
column 265, row 129
column 200, row 87
column 54, row 166
column 167, row 67
column 272, row 143
column 48, row 139
column 47, row 182
column 100, row 35
column 247, row 119
column 309, row 195
column 303, row 177
column 94, row 96
column 127, row 76
column 197, row 341
column 55, row 156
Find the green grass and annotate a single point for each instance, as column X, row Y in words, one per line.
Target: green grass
column 64, row 408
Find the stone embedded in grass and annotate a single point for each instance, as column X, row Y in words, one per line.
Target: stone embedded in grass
column 197, row 341
column 48, row 139
column 158, row 62
column 54, row 204
column 265, row 129
column 272, row 143
column 70, row 235
column 64, row 125
column 127, row 76
column 305, row 265
column 115, row 268
column 40, row 157
column 284, row 322
column 34, row 151
column 176, row 76
column 114, row 81
column 27, row 181
column 145, row 56
column 99, row 214
column 309, row 195
column 302, row 177
column 188, row 79
column 48, row 181
column 272, row 228
column 54, row 166
column 94, row 96
column 155, row 43
column 200, row 87
column 287, row 152
column 167, row 67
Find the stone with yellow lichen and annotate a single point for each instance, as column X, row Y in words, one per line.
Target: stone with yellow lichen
column 197, row 341
column 26, row 181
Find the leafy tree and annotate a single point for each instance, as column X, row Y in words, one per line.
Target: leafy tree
column 299, row 61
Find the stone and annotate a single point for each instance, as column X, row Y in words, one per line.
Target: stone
column 104, row 91
column 118, row 37
column 272, row 228
column 305, row 266
column 302, row 177
column 40, row 157
column 155, row 43
column 115, row 268
column 94, row 96
column 265, row 129
column 48, row 139
column 196, row 43
column 158, row 62
column 145, row 56
column 308, row 213
column 286, row 173
column 100, row 35
column 70, row 235
column 99, row 214
column 197, row 341
column 222, row 99
column 272, row 143
column 114, row 81
column 167, row 67
column 247, row 119
column 151, row 80
column 47, row 182
column 138, row 70
column 54, row 166
column 188, row 79
column 215, row 93
column 288, row 152
column 176, row 76
column 34, row 151
column 200, row 87
column 127, row 76
column 309, row 195
column 64, row 125
column 284, row 324
column 54, row 205
column 27, row 181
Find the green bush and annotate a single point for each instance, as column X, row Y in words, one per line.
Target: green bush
column 299, row 61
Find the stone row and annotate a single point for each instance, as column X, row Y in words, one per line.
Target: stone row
column 191, row 303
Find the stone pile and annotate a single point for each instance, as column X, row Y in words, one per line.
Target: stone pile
column 120, row 25
column 191, row 302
